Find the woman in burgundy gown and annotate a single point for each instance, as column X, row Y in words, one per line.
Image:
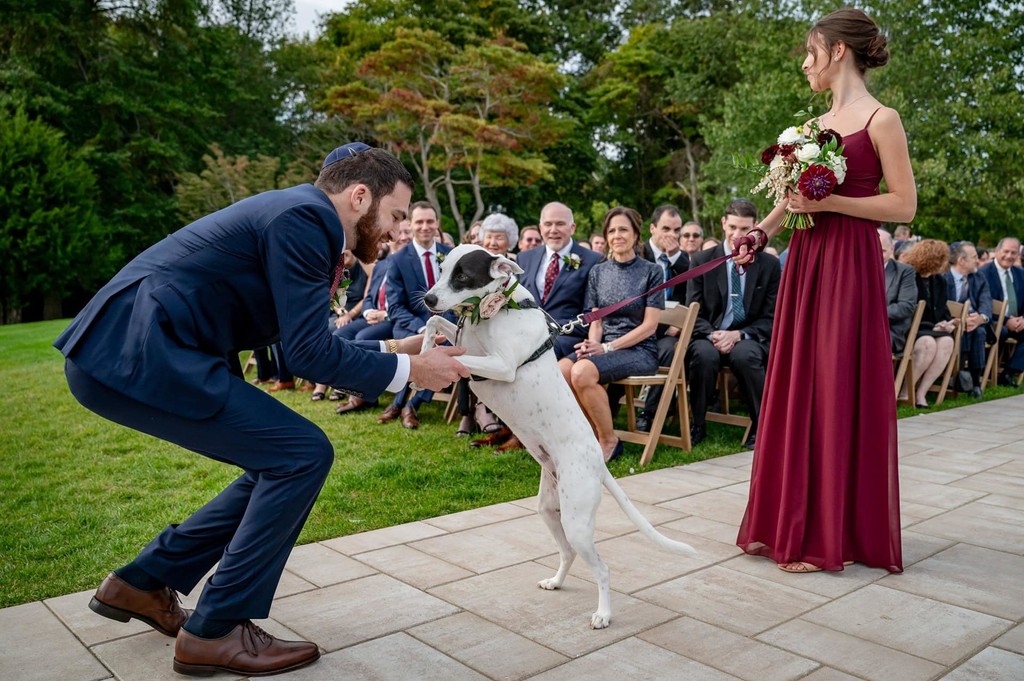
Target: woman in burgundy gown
column 824, row 489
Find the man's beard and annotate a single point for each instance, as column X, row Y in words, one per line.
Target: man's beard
column 367, row 235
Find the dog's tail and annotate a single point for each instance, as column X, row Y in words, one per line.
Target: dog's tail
column 640, row 521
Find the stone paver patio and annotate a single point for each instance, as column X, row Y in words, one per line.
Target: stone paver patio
column 455, row 597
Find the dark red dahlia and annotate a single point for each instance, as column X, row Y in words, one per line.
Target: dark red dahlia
column 827, row 135
column 786, row 149
column 768, row 154
column 817, row 182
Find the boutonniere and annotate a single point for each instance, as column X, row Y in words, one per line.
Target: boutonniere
column 572, row 261
column 340, row 296
column 440, row 257
column 477, row 308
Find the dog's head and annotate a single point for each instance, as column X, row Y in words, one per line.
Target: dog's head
column 468, row 271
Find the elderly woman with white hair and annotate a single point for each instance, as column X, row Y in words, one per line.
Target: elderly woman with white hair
column 499, row 234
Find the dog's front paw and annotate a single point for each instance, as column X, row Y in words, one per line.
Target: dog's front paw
column 549, row 584
column 600, row 620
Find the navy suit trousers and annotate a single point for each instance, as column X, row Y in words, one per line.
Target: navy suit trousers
column 251, row 526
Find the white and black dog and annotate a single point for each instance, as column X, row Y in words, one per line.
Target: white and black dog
column 508, row 349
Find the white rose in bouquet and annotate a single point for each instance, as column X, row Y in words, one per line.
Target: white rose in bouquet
column 808, row 152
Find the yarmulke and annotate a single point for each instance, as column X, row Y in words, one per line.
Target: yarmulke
column 345, row 151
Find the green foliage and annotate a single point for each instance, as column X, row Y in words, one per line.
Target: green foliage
column 227, row 179
column 50, row 232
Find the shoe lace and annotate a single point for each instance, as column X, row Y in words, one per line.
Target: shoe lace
column 254, row 638
column 174, row 605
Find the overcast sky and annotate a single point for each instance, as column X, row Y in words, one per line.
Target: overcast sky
column 308, row 11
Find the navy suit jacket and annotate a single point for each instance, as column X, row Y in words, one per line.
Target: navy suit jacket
column 405, row 289
column 681, row 264
column 711, row 290
column 977, row 292
column 566, row 299
column 995, row 287
column 167, row 329
column 901, row 301
column 380, row 270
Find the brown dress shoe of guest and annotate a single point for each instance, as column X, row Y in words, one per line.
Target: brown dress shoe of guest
column 119, row 600
column 495, row 438
column 510, row 444
column 389, row 414
column 354, row 404
column 281, row 385
column 246, row 650
column 409, row 418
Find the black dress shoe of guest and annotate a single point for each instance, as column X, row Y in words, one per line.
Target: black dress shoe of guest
column 119, row 600
column 1007, row 380
column 643, row 423
column 246, row 650
column 750, row 441
column 698, row 432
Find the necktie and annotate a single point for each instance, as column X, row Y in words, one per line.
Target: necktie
column 666, row 268
column 963, row 290
column 1011, row 296
column 382, row 298
column 550, row 275
column 427, row 257
column 339, row 274
column 739, row 313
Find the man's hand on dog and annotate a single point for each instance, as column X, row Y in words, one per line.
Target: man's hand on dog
column 435, row 369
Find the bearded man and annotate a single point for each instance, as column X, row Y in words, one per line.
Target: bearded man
column 157, row 350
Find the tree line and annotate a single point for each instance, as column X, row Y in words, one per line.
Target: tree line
column 124, row 119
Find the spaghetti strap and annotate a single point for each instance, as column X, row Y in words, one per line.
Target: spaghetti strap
column 872, row 116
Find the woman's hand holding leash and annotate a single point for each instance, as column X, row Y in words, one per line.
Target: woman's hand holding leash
column 749, row 244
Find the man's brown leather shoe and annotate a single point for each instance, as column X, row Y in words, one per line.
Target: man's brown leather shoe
column 409, row 418
column 246, row 650
column 119, row 600
column 495, row 438
column 354, row 404
column 389, row 414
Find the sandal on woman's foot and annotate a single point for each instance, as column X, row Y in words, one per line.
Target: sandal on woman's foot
column 317, row 395
column 466, row 427
column 336, row 395
column 485, row 419
column 798, row 567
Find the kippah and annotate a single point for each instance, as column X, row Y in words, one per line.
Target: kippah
column 345, row 151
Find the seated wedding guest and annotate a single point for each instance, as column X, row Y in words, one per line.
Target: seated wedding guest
column 529, row 237
column 346, row 305
column 934, row 344
column 902, row 250
column 734, row 323
column 622, row 343
column 1006, row 283
column 446, row 239
column 963, row 285
column 585, row 244
column 691, row 237
column 900, row 293
column 984, row 257
column 708, row 244
column 597, row 243
column 472, row 235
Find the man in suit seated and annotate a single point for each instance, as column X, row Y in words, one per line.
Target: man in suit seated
column 663, row 249
column 963, row 285
column 734, row 325
column 1006, row 282
column 157, row 350
column 412, row 271
column 900, row 293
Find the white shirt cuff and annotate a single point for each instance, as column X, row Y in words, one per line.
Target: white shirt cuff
column 401, row 373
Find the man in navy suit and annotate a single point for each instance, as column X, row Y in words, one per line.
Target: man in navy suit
column 157, row 350
column 734, row 324
column 556, row 274
column 411, row 272
column 965, row 286
column 1006, row 282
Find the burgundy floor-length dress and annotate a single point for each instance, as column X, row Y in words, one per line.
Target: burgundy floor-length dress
column 824, row 486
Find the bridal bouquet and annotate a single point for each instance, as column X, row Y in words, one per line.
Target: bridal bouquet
column 807, row 157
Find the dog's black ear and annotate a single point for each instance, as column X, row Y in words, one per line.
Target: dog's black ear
column 503, row 267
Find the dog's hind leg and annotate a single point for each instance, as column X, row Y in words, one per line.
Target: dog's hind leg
column 548, row 508
column 580, row 499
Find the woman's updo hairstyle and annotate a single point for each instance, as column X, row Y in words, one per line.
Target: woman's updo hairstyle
column 860, row 34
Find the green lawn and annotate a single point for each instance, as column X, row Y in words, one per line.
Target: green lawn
column 80, row 495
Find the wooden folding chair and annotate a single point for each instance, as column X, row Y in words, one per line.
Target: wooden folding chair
column 725, row 415
column 959, row 312
column 992, row 360
column 672, row 379
column 905, row 361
